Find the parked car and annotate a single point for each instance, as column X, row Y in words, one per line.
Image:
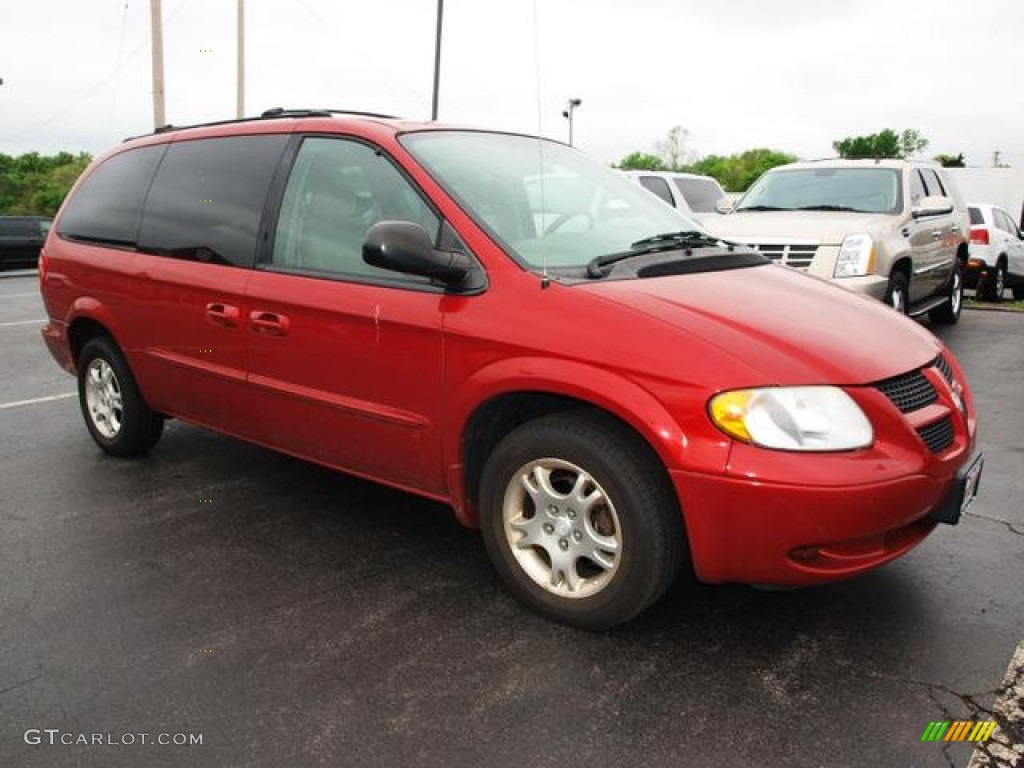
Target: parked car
column 605, row 402
column 891, row 229
column 997, row 253
column 21, row 237
column 691, row 193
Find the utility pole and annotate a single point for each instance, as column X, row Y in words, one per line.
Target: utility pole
column 240, row 102
column 437, row 58
column 157, row 44
column 995, row 158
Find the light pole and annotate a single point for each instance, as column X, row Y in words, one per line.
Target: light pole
column 567, row 114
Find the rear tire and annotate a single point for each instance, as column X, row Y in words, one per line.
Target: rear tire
column 580, row 522
column 115, row 414
column 949, row 313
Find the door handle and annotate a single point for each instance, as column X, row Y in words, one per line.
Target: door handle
column 268, row 323
column 936, row 234
column 223, row 314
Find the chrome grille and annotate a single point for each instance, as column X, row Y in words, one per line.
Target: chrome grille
column 938, row 436
column 798, row 256
column 909, row 391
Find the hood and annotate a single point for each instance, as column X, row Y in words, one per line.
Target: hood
column 789, row 327
column 821, row 227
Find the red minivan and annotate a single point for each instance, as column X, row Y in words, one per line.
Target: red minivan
column 498, row 322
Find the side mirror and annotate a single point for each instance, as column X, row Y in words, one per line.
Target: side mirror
column 403, row 246
column 727, row 204
column 933, row 205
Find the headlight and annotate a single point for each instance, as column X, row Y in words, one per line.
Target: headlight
column 793, row 418
column 856, row 256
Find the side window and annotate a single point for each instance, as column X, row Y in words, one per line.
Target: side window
column 337, row 190
column 934, row 183
column 700, row 194
column 917, row 188
column 107, row 206
column 658, row 186
column 1004, row 222
column 207, row 199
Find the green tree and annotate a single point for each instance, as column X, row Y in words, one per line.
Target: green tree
column 950, row 161
column 641, row 161
column 885, row 143
column 737, row 172
column 912, row 143
column 34, row 184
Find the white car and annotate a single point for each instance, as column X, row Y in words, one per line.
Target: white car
column 997, row 253
column 690, row 193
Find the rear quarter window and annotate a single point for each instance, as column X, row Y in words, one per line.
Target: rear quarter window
column 976, row 217
column 107, row 206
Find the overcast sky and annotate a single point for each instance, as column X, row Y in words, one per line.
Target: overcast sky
column 792, row 75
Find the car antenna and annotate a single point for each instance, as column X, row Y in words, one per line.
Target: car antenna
column 545, row 279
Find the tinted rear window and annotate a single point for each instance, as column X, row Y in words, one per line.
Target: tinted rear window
column 107, row 205
column 658, row 186
column 207, row 198
column 976, row 217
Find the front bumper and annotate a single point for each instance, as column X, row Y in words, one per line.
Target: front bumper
column 874, row 286
column 756, row 532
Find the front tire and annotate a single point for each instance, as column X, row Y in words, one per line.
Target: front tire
column 897, row 295
column 949, row 313
column 995, row 284
column 115, row 414
column 579, row 520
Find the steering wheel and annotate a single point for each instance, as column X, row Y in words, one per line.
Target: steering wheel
column 561, row 221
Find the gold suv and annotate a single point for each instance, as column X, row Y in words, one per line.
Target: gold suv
column 896, row 230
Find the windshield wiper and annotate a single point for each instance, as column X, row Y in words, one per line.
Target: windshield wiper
column 762, row 208
column 825, row 207
column 666, row 241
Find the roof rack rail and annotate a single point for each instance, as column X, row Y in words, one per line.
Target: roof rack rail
column 268, row 114
column 282, row 112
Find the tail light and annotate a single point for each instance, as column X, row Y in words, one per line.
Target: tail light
column 979, row 235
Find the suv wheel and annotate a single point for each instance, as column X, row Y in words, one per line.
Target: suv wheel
column 949, row 312
column 897, row 295
column 578, row 520
column 995, row 284
column 116, row 415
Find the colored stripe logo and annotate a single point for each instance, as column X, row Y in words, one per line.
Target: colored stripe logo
column 959, row 730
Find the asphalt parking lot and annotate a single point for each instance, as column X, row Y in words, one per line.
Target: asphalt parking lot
column 292, row 616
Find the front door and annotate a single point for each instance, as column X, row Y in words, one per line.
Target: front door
column 346, row 360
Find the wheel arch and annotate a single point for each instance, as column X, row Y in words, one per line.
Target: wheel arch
column 88, row 319
column 514, row 392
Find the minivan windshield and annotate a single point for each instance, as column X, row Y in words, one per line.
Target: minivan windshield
column 547, row 204
column 861, row 190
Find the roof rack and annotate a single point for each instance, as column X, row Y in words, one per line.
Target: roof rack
column 269, row 114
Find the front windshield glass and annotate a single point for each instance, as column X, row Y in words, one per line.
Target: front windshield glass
column 865, row 190
column 547, row 204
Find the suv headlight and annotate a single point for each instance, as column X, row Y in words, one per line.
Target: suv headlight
column 793, row 418
column 856, row 256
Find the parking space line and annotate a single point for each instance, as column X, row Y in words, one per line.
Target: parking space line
column 23, row 322
column 19, row 295
column 35, row 400
column 1001, row 750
